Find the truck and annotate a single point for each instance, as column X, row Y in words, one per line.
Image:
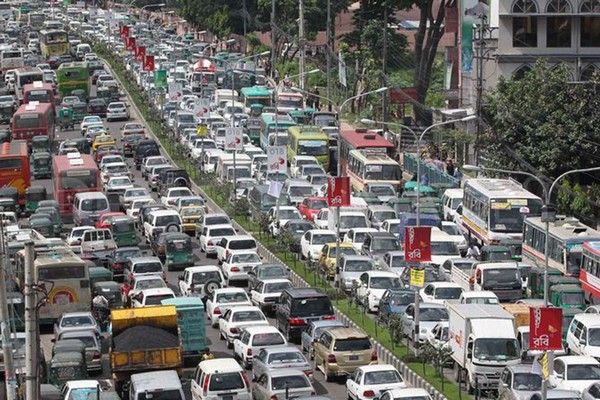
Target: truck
column 190, row 318
column 483, row 341
column 354, row 216
column 502, row 278
column 143, row 339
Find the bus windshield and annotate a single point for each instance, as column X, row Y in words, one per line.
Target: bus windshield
column 85, row 179
column 27, row 121
column 384, row 172
column 508, row 217
column 313, row 147
column 39, row 95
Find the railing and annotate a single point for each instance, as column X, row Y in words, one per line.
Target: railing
column 434, row 174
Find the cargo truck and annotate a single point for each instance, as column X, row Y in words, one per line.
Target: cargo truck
column 483, row 342
column 143, row 339
column 502, row 278
column 192, row 330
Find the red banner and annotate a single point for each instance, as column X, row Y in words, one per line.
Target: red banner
column 130, row 44
column 338, row 191
column 417, row 243
column 124, row 31
column 545, row 328
column 140, row 53
column 149, row 63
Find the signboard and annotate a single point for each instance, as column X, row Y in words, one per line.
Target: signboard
column 201, row 107
column 545, row 328
column 149, row 63
column 338, row 191
column 140, row 53
column 130, row 44
column 175, row 90
column 124, row 31
column 417, row 277
column 276, row 159
column 202, row 130
column 417, row 243
column 160, row 79
column 234, row 138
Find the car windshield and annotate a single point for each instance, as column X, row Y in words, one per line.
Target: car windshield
column 593, row 335
column 124, row 254
column 237, row 297
column 246, row 316
column 119, row 182
column 583, row 372
column 352, row 221
column 179, row 193
column 245, row 258
column 402, row 299
column 150, row 284
column 242, row 244
column 312, row 306
column 94, row 204
column 527, row 381
column 226, row 381
column 205, row 276
column 289, row 382
column 144, row 268
column 352, row 344
column 165, row 220
column 443, row 248
column 301, row 191
column 433, row 314
column 222, row 232
column 382, row 190
column 384, row 282
column 286, row 357
column 572, row 298
column 383, row 215
column 447, row 293
column 157, row 300
column 157, row 161
column 323, row 239
column 289, row 214
column 499, row 350
column 382, row 377
column 277, row 287
column 385, row 244
column 343, row 250
column 497, row 276
column 358, row 265
column 272, row 272
column 317, row 204
column 136, row 193
column 267, row 339
column 452, row 230
column 70, row 322
column 217, row 220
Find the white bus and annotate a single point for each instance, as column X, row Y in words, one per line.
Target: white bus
column 366, row 167
column 565, row 247
column 494, row 209
column 24, row 76
column 11, row 59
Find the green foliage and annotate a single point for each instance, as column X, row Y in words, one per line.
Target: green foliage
column 548, row 122
column 573, row 199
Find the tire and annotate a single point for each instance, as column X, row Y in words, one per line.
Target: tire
column 328, row 377
column 211, row 286
column 229, row 344
column 173, row 228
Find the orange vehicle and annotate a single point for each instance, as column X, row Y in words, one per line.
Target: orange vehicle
column 40, row 92
column 105, row 219
column 14, row 167
column 72, row 175
column 362, row 139
column 33, row 119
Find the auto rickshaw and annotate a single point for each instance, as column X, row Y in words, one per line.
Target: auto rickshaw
column 42, row 223
column 111, row 291
column 256, row 109
column 11, row 193
column 5, row 135
column 426, row 190
column 99, row 274
column 54, row 215
column 41, row 164
column 64, row 117
column 567, row 296
column 178, row 251
column 79, row 111
column 67, row 366
column 33, row 195
column 535, row 284
column 49, row 203
column 41, row 143
column 123, row 230
column 6, row 113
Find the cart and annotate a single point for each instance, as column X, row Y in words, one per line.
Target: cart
column 65, row 119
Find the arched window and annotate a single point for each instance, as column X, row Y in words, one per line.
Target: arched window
column 588, row 72
column 590, row 24
column 524, row 6
column 558, row 6
column 590, row 6
column 521, row 72
column 558, row 28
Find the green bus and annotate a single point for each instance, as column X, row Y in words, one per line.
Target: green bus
column 222, row 58
column 73, row 76
column 256, row 95
column 308, row 140
column 273, row 129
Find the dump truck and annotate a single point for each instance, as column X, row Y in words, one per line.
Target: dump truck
column 144, row 339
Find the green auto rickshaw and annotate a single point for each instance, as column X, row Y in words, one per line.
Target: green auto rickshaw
column 123, row 230
column 41, row 143
column 178, row 251
column 67, row 366
column 33, row 195
column 42, row 223
column 41, row 164
column 567, row 296
column 99, row 274
column 256, row 109
column 535, row 283
column 54, row 215
column 79, row 111
column 111, row 290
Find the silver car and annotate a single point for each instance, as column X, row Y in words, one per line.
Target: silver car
column 75, row 321
column 93, row 349
column 278, row 358
column 281, row 383
column 518, row 382
column 117, row 110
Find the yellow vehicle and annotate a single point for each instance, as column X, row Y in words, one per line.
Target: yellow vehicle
column 190, row 215
column 340, row 351
column 328, row 257
column 54, row 42
column 103, row 140
column 308, row 140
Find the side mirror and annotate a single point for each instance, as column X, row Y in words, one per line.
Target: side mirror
column 582, row 342
column 559, row 376
column 180, row 277
column 504, row 384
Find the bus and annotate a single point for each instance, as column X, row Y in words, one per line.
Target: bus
column 273, row 129
column 14, row 167
column 26, row 75
column 73, row 173
column 72, row 76
column 204, row 73
column 33, row 119
column 11, row 59
column 256, row 95
column 35, row 20
column 54, row 42
column 307, row 140
column 289, row 101
column 362, row 139
column 494, row 209
column 589, row 275
column 365, row 167
column 40, row 92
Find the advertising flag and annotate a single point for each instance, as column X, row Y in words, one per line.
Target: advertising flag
column 417, row 243
column 545, row 328
column 338, row 191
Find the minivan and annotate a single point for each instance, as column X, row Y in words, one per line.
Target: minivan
column 163, row 384
column 451, row 199
column 234, row 243
column 220, row 378
column 298, row 306
column 583, row 336
column 88, row 206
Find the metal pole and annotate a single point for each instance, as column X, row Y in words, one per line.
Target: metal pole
column 338, row 240
column 301, row 42
column 31, row 343
column 417, row 319
column 328, row 50
column 384, row 57
column 231, row 122
column 9, row 370
column 273, row 47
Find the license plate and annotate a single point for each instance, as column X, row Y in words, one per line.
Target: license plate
column 353, row 358
column 226, row 397
column 248, row 268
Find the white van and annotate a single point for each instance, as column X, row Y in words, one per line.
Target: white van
column 583, row 337
column 88, row 206
column 219, row 379
column 234, row 243
column 443, row 247
column 165, row 384
column 451, row 199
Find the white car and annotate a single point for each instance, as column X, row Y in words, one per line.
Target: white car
column 575, row 373
column 299, row 161
column 89, row 120
column 312, row 242
column 117, row 110
column 210, row 219
column 212, row 234
column 438, row 335
column 133, row 194
column 406, row 394
column 225, row 298
column 455, row 232
column 141, row 283
column 372, row 286
column 150, row 162
column 441, row 292
column 110, row 158
column 321, row 220
column 71, row 388
column 281, row 216
column 370, row 381
column 267, row 292
column 118, row 184
column 200, row 280
column 254, row 338
column 113, row 169
column 151, row 297
column 238, row 263
column 74, row 238
column 236, row 318
column 136, row 205
column 169, row 198
column 161, row 221
column 357, row 236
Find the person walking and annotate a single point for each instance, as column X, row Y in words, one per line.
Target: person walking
column 450, row 167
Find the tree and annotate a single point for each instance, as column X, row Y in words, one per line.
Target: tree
column 543, row 122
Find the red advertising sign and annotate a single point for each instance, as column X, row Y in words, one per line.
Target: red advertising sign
column 545, row 328
column 338, row 191
column 417, row 243
column 149, row 63
column 130, row 44
column 124, row 31
column 140, row 53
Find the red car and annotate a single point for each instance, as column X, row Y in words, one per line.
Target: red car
column 311, row 206
column 104, row 219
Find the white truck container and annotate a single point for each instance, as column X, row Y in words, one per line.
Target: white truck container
column 350, row 217
column 483, row 342
column 502, row 278
column 226, row 161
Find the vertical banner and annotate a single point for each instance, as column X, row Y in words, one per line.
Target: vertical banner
column 175, row 90
column 342, row 70
column 124, row 31
column 149, row 63
column 276, row 159
column 160, row 79
column 140, row 53
column 417, row 243
column 234, row 138
column 130, row 44
column 545, row 328
column 338, row 191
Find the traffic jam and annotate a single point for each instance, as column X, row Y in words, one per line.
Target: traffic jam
column 147, row 289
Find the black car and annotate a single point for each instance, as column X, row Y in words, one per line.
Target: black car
column 297, row 307
column 295, row 228
column 172, row 177
column 118, row 258
column 145, row 148
column 97, row 107
column 130, row 143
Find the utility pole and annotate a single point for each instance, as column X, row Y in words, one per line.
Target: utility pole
column 301, row 42
column 328, row 50
column 9, row 368
column 31, row 326
column 384, row 105
column 273, row 39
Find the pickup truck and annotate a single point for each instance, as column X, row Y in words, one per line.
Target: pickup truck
column 97, row 244
column 502, row 278
column 143, row 339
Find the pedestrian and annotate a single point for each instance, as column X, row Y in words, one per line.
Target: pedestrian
column 458, row 175
column 450, row 167
column 316, row 100
column 473, row 251
column 207, row 355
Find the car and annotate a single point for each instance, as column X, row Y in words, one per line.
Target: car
column 321, row 220
column 73, row 389
column 372, row 286
column 376, row 244
column 151, row 297
column 210, row 219
column 279, row 216
column 117, row 110
column 379, row 213
column 157, row 222
column 575, row 373
column 298, row 306
column 349, row 271
column 265, row 294
column 235, row 318
column 93, row 349
column 172, row 194
column 234, row 243
column 118, row 184
column 266, row 271
column 438, row 336
column 141, row 266
column 220, row 378
column 75, row 321
column 276, row 358
column 104, row 220
column 254, row 338
column 88, row 120
column 97, row 107
column 311, row 206
column 394, row 302
column 441, row 292
column 113, row 169
column 328, row 258
column 225, row 298
column 154, row 174
column 210, row 235
column 150, row 162
column 518, row 382
column 430, row 314
column 280, row 383
column 592, row 392
column 103, row 140
column 139, row 283
column 118, row 258
column 454, row 231
column 357, row 236
column 312, row 243
column 383, row 191
column 313, row 331
column 109, row 159
column 132, row 128
column 237, row 264
column 131, row 194
column 201, row 281
column 370, row 381
column 406, row 394
column 136, row 204
column 74, row 238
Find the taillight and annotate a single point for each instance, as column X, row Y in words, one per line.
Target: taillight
column 274, row 397
column 217, row 311
column 331, row 359
column 296, row 322
column 234, row 330
column 249, row 352
column 374, row 356
column 118, row 266
column 235, row 269
column 131, row 277
column 246, row 382
column 210, row 243
column 97, row 355
column 329, row 317
column 205, row 384
column 369, row 393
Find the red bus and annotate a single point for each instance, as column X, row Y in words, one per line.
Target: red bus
column 71, row 174
column 40, row 92
column 14, row 167
column 204, row 73
column 33, row 119
column 362, row 139
column 589, row 275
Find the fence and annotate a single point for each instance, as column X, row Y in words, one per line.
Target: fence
column 434, row 174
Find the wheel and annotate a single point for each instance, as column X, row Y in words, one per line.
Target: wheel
column 328, row 377
column 229, row 345
column 211, row 286
column 221, row 337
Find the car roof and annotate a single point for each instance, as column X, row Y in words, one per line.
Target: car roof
column 144, row 259
column 444, row 284
column 410, row 392
column 202, row 268
column 254, row 329
column 578, row 360
column 220, row 365
column 77, row 314
column 229, row 290
column 157, row 291
column 589, row 318
column 304, row 292
column 380, row 367
column 347, row 332
column 380, row 273
column 285, row 372
column 220, row 226
column 156, row 380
